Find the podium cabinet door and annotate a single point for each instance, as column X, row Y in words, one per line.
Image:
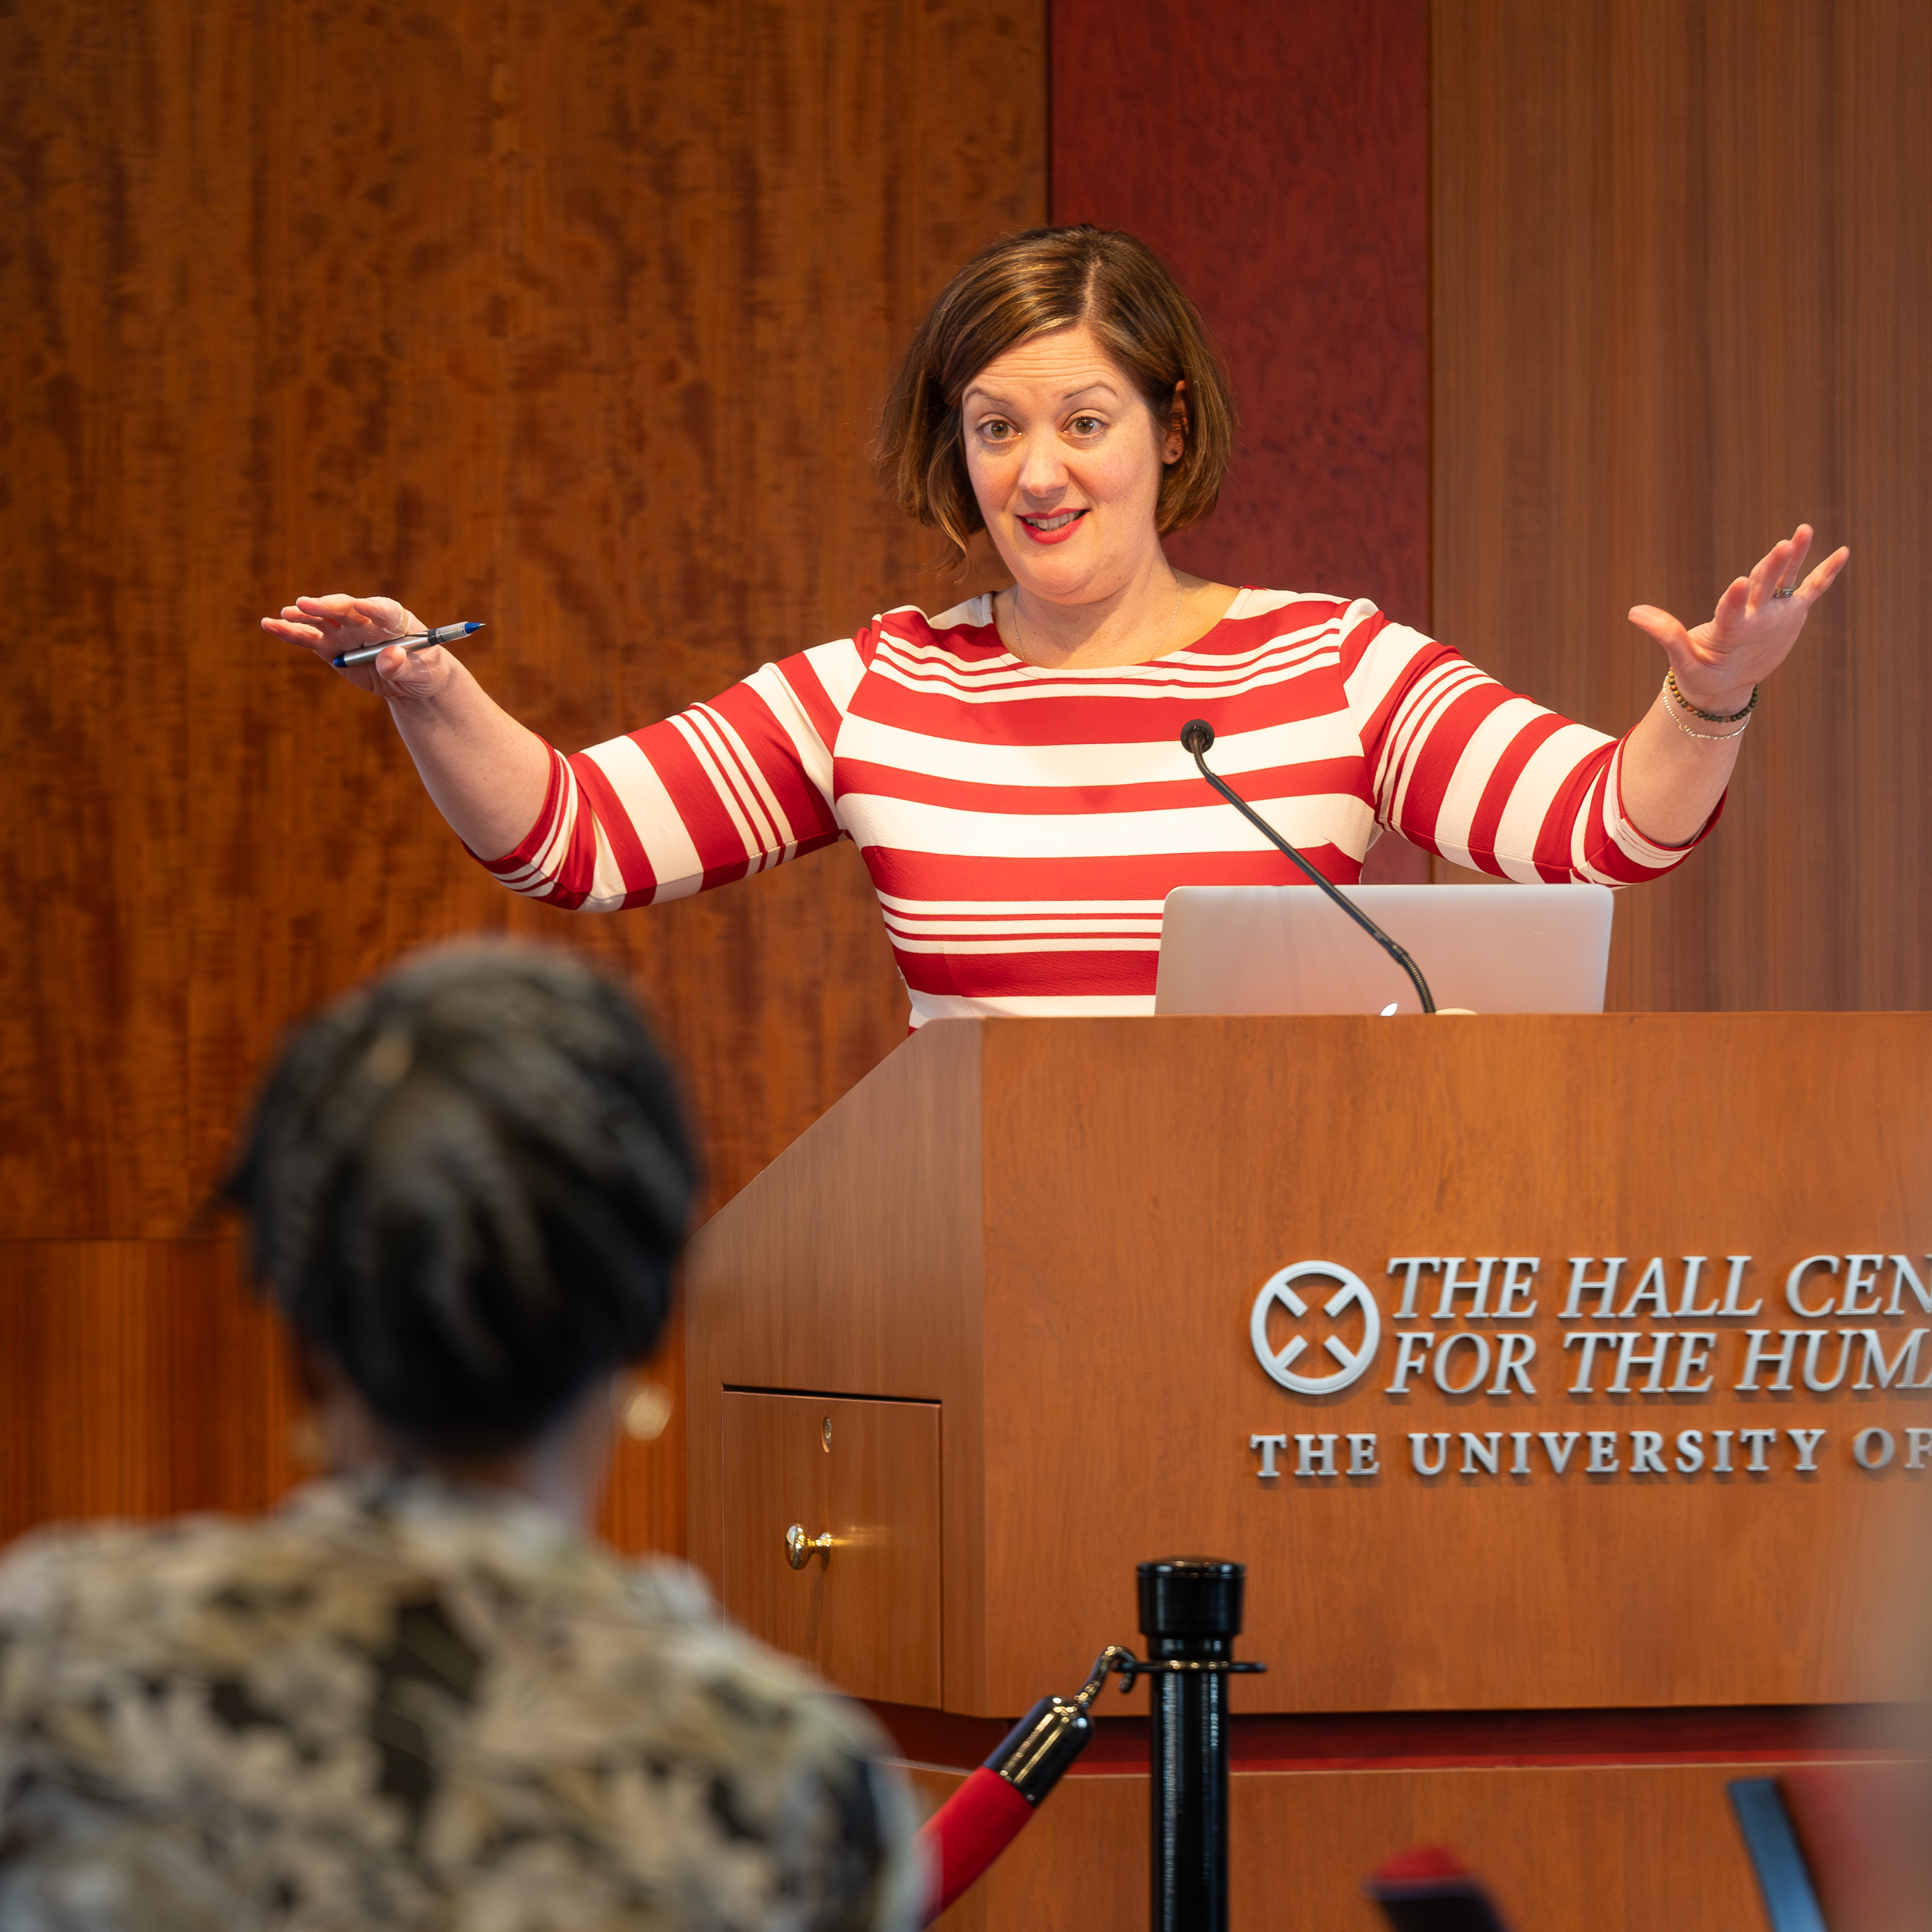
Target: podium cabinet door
column 865, row 1612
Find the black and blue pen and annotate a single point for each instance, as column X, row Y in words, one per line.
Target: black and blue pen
column 412, row 640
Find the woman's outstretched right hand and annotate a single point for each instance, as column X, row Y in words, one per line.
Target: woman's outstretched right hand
column 330, row 625
column 487, row 775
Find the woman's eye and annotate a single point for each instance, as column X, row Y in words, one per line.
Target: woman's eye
column 1086, row 425
column 996, row 431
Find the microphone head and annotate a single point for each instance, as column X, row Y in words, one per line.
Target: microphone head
column 1197, row 736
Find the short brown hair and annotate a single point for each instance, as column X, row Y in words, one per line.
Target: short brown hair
column 1048, row 278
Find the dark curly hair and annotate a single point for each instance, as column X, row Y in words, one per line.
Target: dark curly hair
column 1021, row 287
column 468, row 1183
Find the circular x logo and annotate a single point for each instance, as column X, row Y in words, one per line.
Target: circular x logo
column 1354, row 1362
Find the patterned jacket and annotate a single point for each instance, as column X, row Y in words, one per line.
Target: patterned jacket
column 399, row 1704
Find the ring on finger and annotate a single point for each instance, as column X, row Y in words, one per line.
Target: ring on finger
column 1786, row 590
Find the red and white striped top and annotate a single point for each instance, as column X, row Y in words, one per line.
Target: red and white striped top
column 1022, row 825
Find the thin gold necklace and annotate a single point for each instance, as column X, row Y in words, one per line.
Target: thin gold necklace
column 1173, row 618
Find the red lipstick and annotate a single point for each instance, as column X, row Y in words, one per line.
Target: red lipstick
column 1067, row 530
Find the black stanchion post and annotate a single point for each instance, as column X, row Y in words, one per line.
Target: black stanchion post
column 1190, row 1615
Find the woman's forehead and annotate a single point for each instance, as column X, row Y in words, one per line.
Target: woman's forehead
column 1051, row 368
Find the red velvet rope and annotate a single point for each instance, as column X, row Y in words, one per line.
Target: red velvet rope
column 968, row 1832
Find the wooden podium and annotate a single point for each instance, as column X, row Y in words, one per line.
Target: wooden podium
column 1593, row 1471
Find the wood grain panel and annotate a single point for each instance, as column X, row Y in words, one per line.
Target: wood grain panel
column 1537, row 1137
column 573, row 321
column 1618, row 1849
column 1079, row 1299
column 140, row 1378
column 617, row 377
column 804, row 1282
column 95, row 964
column 865, row 1615
column 643, row 1508
column 1683, row 267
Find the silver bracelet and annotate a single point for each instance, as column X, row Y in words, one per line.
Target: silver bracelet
column 1706, row 737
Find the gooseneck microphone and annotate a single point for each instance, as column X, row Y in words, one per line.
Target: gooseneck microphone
column 1197, row 737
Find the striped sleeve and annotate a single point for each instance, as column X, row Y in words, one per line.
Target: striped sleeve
column 1465, row 768
column 725, row 789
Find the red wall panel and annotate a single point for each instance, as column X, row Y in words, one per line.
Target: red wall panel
column 1276, row 157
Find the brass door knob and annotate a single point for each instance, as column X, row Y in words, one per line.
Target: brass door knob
column 799, row 1546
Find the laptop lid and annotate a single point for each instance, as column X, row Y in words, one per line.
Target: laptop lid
column 1287, row 949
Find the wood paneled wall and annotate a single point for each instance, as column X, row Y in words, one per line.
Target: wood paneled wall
column 1682, row 292
column 572, row 319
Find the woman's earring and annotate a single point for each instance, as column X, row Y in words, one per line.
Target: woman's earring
column 647, row 1413
column 307, row 1449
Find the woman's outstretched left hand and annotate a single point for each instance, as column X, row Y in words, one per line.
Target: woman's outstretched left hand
column 1752, row 631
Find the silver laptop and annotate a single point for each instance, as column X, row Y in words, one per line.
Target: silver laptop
column 1501, row 949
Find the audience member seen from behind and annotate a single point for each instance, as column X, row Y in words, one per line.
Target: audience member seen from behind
column 419, row 1696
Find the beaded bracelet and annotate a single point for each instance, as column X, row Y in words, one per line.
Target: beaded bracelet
column 1709, row 717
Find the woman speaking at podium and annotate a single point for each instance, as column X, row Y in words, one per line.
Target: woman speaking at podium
column 1010, row 769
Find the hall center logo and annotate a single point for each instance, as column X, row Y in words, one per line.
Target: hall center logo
column 1279, row 1291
